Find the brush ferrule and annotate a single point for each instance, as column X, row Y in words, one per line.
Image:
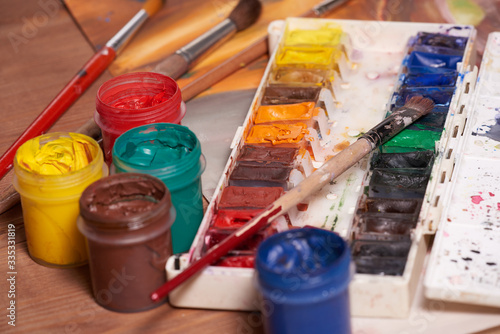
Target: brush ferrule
column 209, row 40
column 327, row 6
column 122, row 37
column 390, row 126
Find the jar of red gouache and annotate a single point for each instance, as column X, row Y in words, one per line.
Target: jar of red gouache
column 135, row 99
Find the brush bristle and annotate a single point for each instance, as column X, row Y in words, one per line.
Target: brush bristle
column 153, row 6
column 245, row 13
column 421, row 104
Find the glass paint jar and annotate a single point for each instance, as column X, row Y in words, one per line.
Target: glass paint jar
column 135, row 99
column 50, row 181
column 172, row 153
column 303, row 276
column 126, row 219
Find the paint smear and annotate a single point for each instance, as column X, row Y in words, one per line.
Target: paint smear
column 277, row 133
column 56, row 157
column 341, row 146
column 476, row 199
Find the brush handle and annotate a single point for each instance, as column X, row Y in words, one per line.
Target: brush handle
column 80, row 82
column 224, row 69
column 310, row 185
column 9, row 196
column 125, row 34
column 173, row 66
column 91, row 129
column 324, row 8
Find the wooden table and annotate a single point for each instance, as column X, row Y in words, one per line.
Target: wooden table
column 42, row 46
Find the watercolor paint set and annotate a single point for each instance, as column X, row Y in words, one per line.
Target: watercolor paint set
column 464, row 263
column 326, row 83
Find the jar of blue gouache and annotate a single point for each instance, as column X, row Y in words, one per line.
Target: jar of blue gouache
column 303, row 276
column 172, row 153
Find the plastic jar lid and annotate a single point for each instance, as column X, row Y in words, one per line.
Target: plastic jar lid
column 170, row 152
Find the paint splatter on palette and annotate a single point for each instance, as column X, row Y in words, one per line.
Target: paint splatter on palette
column 328, row 82
column 464, row 264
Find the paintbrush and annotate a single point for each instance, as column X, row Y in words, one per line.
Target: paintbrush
column 241, row 17
column 416, row 107
column 80, row 82
column 249, row 54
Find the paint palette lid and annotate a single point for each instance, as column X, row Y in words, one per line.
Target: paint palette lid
column 464, row 263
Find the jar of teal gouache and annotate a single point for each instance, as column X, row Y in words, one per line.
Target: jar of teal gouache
column 172, row 153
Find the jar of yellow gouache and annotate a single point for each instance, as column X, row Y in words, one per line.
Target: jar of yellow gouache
column 51, row 172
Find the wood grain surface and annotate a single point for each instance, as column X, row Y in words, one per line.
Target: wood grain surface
column 41, row 49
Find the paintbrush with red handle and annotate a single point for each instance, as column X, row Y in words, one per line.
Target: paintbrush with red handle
column 80, row 82
column 416, row 107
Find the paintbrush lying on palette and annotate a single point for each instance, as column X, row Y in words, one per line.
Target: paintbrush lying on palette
column 416, row 107
column 80, row 82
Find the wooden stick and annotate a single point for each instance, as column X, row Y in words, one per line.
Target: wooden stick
column 382, row 132
column 8, row 195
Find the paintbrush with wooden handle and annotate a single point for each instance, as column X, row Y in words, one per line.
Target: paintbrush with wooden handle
column 416, row 107
column 241, row 17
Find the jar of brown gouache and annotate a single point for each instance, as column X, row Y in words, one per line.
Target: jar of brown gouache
column 126, row 219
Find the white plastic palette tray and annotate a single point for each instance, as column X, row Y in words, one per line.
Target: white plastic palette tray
column 377, row 49
column 465, row 259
